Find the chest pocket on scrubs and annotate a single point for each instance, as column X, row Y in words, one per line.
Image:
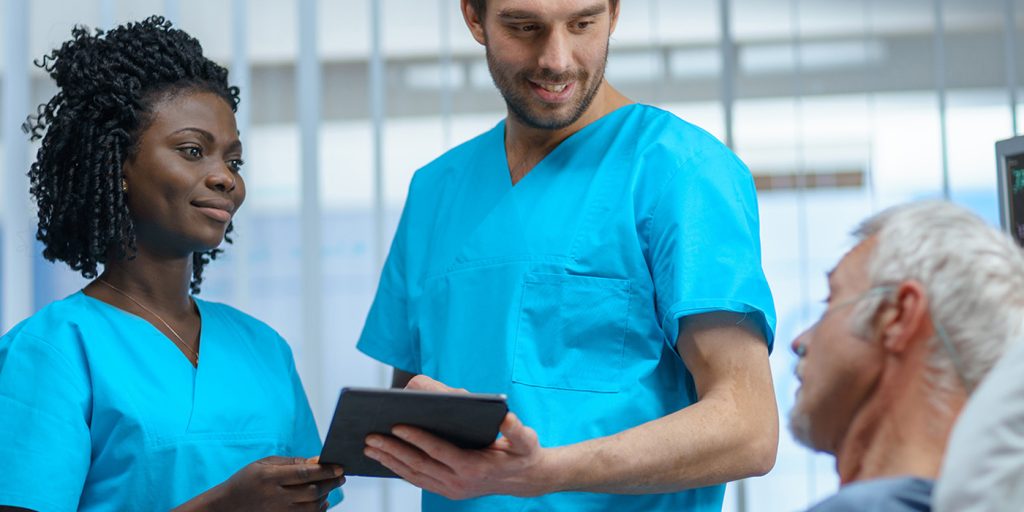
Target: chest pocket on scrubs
column 571, row 332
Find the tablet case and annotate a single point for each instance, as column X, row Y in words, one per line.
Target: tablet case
column 466, row 420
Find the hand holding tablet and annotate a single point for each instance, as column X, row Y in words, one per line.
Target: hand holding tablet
column 467, row 420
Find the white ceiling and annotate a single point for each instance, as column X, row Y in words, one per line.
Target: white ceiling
column 412, row 27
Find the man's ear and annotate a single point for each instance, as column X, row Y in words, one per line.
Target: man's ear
column 906, row 319
column 474, row 21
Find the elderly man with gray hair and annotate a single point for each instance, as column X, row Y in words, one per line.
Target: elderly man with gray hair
column 918, row 312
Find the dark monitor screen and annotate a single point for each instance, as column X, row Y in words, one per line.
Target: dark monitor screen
column 1010, row 181
column 1015, row 195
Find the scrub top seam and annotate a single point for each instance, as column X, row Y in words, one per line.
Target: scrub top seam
column 690, row 307
column 31, row 502
column 665, row 189
column 57, row 352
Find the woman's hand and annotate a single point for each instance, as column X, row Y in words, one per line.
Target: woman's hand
column 273, row 483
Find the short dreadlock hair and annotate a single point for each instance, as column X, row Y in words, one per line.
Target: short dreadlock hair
column 109, row 82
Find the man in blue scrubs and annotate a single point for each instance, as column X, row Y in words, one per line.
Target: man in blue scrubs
column 596, row 260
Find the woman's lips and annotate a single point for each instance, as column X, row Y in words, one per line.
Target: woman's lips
column 215, row 213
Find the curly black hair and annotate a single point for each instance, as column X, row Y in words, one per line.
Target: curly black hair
column 109, row 83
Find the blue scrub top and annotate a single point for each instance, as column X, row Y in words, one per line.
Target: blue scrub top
column 100, row 411
column 566, row 290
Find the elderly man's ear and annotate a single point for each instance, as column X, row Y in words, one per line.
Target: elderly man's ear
column 905, row 320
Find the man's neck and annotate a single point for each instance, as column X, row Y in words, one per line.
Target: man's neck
column 527, row 145
column 904, row 437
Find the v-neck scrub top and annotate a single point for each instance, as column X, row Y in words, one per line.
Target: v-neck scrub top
column 565, row 291
column 100, row 411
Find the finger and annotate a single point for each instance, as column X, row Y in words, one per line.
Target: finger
column 314, row 506
column 420, row 479
column 276, row 460
column 407, row 454
column 423, row 383
column 436, row 448
column 520, row 438
column 313, row 492
column 303, row 473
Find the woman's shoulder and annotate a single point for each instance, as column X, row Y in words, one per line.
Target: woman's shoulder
column 54, row 333
column 249, row 327
column 60, row 318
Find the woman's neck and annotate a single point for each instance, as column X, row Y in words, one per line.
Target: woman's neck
column 159, row 283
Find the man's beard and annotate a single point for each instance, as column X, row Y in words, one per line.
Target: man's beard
column 800, row 427
column 518, row 100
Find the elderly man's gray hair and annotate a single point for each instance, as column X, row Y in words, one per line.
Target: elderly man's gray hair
column 973, row 276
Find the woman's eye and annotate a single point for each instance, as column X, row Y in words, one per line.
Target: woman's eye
column 192, row 152
column 236, row 164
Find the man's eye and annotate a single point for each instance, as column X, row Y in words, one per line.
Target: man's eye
column 529, row 28
column 583, row 25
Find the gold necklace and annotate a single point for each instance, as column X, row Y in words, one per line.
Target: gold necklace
column 190, row 353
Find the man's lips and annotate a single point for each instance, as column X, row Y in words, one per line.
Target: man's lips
column 553, row 92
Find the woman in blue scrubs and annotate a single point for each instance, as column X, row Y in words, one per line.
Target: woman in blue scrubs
column 133, row 394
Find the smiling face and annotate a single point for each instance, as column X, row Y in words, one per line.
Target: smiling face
column 183, row 182
column 837, row 369
column 547, row 57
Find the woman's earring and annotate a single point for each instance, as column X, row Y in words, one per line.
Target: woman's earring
column 124, row 186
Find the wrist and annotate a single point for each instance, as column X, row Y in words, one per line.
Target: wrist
column 553, row 473
column 208, row 500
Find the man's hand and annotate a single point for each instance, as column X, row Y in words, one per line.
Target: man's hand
column 515, row 464
column 424, row 383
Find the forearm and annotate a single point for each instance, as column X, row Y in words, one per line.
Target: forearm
column 205, row 501
column 707, row 443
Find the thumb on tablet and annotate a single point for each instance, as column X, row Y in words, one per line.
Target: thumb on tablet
column 423, row 383
column 520, row 438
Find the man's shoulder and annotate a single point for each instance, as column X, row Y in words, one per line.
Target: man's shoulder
column 665, row 127
column 664, row 140
column 902, row 494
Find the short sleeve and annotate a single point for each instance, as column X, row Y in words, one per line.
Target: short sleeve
column 386, row 335
column 45, row 407
column 704, row 240
column 306, row 439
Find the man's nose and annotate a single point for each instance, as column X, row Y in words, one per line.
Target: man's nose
column 799, row 344
column 556, row 55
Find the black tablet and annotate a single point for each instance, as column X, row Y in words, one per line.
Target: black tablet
column 467, row 420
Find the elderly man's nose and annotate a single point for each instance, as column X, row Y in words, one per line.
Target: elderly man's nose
column 799, row 345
